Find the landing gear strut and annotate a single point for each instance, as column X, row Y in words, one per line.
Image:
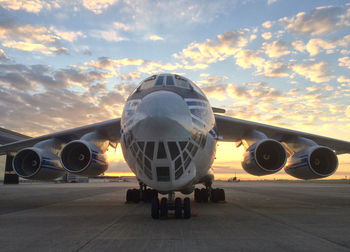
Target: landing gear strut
column 161, row 210
column 143, row 193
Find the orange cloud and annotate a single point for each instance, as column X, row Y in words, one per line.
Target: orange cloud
column 315, row 72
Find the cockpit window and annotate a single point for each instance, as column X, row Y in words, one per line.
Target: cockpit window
column 181, row 82
column 159, row 81
column 147, row 83
column 170, row 81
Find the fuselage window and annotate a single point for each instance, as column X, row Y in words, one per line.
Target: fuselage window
column 149, row 150
column 161, row 154
column 174, row 151
column 159, row 81
column 170, row 81
column 163, row 173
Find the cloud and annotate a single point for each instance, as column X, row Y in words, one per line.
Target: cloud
column 266, row 35
column 320, row 20
column 110, row 64
column 347, row 111
column 344, row 62
column 32, row 47
column 3, row 56
column 276, row 49
column 267, row 24
column 226, row 44
column 43, row 99
column 248, row 58
column 36, row 38
column 143, row 66
column 315, row 72
column 98, row 6
column 21, row 77
column 275, row 69
column 217, row 92
column 34, row 6
column 317, row 45
column 299, row 45
column 343, row 79
column 253, row 91
column 108, row 35
column 212, row 80
column 269, row 2
column 121, row 26
column 131, row 76
column 155, row 37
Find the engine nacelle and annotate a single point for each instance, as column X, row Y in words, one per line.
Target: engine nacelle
column 312, row 163
column 36, row 163
column 83, row 158
column 264, row 157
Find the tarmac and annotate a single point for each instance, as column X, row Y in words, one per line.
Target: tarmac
column 257, row 216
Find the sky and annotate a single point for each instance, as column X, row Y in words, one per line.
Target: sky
column 65, row 64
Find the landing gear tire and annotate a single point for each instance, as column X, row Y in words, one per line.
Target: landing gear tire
column 135, row 195
column 128, row 195
column 155, row 208
column 197, row 195
column 178, row 208
column 222, row 195
column 204, row 195
column 187, row 208
column 214, row 197
column 164, row 208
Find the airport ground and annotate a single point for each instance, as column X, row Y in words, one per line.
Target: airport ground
column 258, row 216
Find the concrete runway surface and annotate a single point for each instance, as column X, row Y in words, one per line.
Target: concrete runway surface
column 258, row 216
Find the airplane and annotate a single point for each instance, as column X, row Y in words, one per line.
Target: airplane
column 168, row 133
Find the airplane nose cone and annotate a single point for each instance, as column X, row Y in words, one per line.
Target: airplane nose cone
column 165, row 115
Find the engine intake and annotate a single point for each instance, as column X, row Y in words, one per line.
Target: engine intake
column 38, row 164
column 265, row 157
column 312, row 163
column 83, row 158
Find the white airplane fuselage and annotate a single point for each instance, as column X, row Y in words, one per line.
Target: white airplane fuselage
column 168, row 136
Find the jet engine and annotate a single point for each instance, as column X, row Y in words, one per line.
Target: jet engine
column 39, row 162
column 264, row 157
column 86, row 157
column 312, row 163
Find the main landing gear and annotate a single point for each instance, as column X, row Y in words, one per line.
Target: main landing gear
column 214, row 194
column 142, row 194
column 160, row 209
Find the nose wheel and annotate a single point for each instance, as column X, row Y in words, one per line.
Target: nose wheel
column 160, row 210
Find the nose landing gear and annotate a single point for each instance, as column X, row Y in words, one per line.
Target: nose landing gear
column 160, row 210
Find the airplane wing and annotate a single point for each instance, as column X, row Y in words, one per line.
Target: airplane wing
column 110, row 129
column 233, row 130
column 8, row 136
